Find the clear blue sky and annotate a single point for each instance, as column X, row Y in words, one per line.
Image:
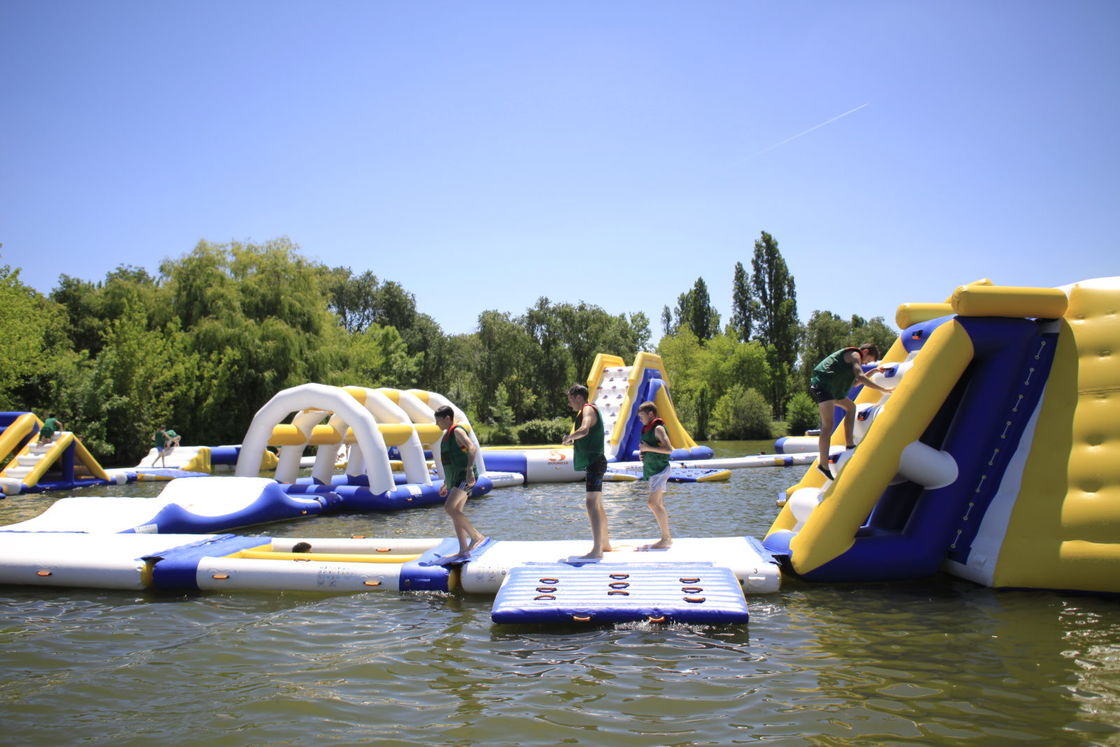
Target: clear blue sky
column 484, row 154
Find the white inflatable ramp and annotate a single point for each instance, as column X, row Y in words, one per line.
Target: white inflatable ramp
column 211, row 504
column 620, row 592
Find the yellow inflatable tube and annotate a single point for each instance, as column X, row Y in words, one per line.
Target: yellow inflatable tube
column 1009, row 301
column 831, row 528
column 323, row 557
column 14, row 433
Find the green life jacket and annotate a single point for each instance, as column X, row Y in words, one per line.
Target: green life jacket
column 652, row 461
column 589, row 448
column 454, row 457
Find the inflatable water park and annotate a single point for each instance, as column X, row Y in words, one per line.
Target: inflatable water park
column 992, row 458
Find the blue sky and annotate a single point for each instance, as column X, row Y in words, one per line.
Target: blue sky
column 484, row 154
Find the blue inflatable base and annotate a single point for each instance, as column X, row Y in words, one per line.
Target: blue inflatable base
column 620, row 592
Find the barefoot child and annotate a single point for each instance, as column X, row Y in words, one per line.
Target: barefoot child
column 457, row 454
column 655, row 449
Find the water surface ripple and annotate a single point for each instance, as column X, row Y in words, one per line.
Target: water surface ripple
column 936, row 661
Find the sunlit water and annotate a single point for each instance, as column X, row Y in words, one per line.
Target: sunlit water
column 935, row 661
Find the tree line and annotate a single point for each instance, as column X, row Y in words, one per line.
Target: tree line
column 218, row 331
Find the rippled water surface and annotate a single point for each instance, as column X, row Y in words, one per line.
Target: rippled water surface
column 937, row 661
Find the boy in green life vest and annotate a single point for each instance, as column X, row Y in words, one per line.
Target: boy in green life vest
column 457, row 454
column 587, row 455
column 49, row 430
column 655, row 449
column 832, row 378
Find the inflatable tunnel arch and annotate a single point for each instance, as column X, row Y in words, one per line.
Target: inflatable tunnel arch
column 313, row 402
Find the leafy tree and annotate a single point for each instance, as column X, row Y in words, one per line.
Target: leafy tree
column 352, row 298
column 31, row 342
column 802, row 413
column 777, row 324
column 874, row 331
column 695, row 311
column 744, row 308
column 741, row 413
column 825, row 333
column 375, row 357
column 503, row 360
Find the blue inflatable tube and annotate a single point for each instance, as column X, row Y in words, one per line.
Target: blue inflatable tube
column 354, row 495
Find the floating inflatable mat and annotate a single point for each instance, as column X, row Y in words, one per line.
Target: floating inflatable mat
column 676, row 474
column 620, row 592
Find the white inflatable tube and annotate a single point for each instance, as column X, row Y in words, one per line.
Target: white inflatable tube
column 308, row 396
column 386, row 410
column 310, row 575
column 927, row 466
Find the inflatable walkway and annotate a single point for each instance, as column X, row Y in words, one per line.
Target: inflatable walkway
column 995, row 459
column 697, row 580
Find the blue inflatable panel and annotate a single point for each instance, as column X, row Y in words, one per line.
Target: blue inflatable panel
column 620, row 592
column 177, row 567
column 356, row 497
column 512, row 461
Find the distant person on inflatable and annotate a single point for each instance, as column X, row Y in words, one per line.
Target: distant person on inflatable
column 165, row 442
column 51, row 428
column 832, row 378
column 587, row 455
column 457, row 453
column 655, row 449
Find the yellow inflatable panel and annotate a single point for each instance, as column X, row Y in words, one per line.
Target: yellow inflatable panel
column 1064, row 530
column 1008, row 301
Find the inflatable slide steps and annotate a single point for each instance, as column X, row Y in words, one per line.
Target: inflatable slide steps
column 620, row 592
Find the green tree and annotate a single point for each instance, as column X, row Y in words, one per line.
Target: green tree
column 741, row 413
column 802, row 414
column 744, row 308
column 777, row 323
column 32, row 344
column 352, row 298
column 695, row 311
column 825, row 333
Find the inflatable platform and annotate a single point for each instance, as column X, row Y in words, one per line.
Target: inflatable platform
column 178, row 562
column 995, row 459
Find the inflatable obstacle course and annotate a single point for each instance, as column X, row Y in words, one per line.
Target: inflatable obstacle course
column 996, row 457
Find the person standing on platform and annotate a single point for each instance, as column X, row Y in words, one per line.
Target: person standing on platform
column 655, row 449
column 587, row 455
column 457, row 454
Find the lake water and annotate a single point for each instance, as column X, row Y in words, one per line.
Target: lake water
column 934, row 661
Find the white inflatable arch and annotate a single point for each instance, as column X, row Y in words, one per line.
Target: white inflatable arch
column 404, row 415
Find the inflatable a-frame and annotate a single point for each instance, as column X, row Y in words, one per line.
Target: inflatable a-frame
column 63, row 463
column 996, row 459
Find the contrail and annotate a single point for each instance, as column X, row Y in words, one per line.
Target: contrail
column 806, row 132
